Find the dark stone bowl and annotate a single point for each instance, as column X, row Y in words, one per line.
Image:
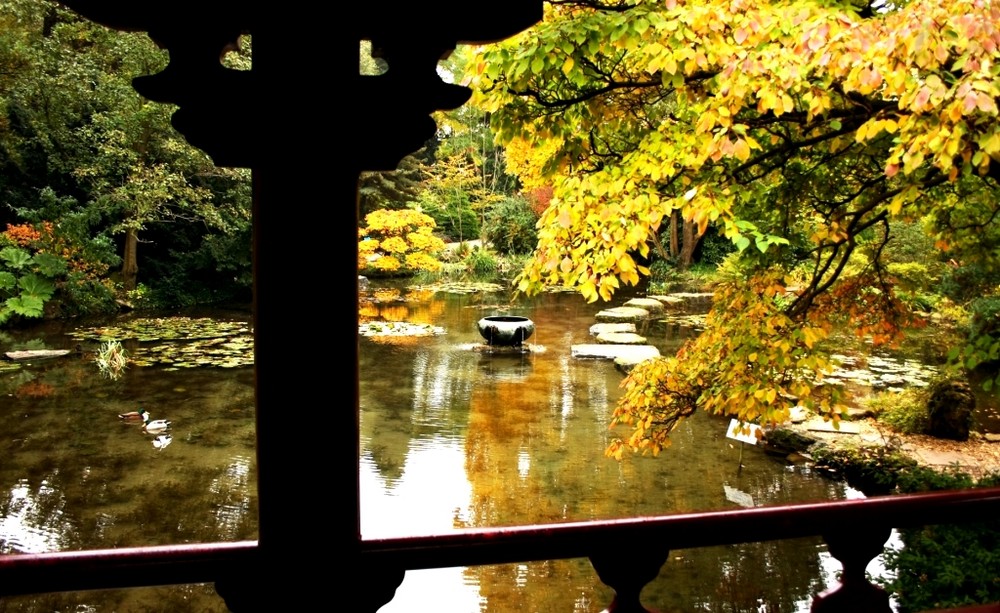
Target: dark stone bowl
column 506, row 330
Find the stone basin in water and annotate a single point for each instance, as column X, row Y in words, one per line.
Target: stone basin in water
column 506, row 330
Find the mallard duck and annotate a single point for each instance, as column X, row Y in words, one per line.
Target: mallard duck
column 154, row 426
column 134, row 416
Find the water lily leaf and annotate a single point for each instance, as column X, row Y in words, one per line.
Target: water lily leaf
column 181, row 342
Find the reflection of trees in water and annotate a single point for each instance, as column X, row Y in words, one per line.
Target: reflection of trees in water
column 33, row 519
column 549, row 585
column 234, row 490
column 778, row 576
column 411, row 393
column 534, row 430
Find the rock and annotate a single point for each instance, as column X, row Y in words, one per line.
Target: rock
column 650, row 304
column 620, row 314
column 797, row 414
column 950, row 406
column 668, row 301
column 614, row 352
column 598, row 329
column 783, row 441
column 621, row 338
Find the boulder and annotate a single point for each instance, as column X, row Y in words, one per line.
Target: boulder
column 950, row 405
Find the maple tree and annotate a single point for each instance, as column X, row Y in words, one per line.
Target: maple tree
column 800, row 130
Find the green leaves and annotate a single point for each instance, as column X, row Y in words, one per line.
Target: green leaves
column 35, row 286
column 24, row 305
column 15, row 258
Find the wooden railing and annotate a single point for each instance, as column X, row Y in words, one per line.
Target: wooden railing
column 854, row 530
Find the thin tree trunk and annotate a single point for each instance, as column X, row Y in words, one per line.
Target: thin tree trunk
column 688, row 244
column 675, row 222
column 130, row 264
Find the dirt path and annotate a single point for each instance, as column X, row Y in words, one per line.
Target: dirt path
column 978, row 456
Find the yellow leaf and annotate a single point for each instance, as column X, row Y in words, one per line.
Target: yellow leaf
column 567, row 66
column 742, row 150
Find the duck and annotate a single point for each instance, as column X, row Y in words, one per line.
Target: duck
column 134, row 416
column 154, row 426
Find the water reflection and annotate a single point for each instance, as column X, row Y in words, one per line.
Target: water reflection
column 32, row 520
column 73, row 476
column 455, row 438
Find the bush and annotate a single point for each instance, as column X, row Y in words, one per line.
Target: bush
column 985, row 316
column 905, row 412
column 455, row 218
column 398, row 243
column 510, row 226
column 874, row 470
column 481, row 263
column 714, row 248
column 949, row 565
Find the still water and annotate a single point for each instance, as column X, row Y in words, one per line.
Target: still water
column 73, row 476
column 454, row 436
column 451, row 437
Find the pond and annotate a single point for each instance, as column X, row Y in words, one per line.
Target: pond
column 452, row 436
column 74, row 476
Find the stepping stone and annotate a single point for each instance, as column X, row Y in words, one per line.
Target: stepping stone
column 621, row 338
column 598, row 329
column 613, row 352
column 626, row 363
column 671, row 301
column 650, row 304
column 620, row 314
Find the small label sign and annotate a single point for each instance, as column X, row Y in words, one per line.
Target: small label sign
column 744, row 433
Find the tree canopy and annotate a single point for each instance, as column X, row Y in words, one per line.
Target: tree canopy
column 804, row 131
column 82, row 152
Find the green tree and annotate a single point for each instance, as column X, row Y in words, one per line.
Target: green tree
column 79, row 148
column 801, row 130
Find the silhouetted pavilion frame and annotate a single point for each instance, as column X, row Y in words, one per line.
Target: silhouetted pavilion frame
column 307, row 123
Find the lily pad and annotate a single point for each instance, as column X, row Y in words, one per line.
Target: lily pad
column 180, row 342
column 397, row 328
column 462, row 287
column 164, row 328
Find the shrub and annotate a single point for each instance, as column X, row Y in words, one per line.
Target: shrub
column 874, row 470
column 481, row 263
column 510, row 226
column 949, row 565
column 398, row 243
column 714, row 248
column 905, row 412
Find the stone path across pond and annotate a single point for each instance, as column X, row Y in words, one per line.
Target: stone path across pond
column 615, row 331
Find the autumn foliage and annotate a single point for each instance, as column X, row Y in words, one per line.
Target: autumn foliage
column 802, row 131
column 398, row 242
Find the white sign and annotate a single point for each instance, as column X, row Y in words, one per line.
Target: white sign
column 743, row 432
